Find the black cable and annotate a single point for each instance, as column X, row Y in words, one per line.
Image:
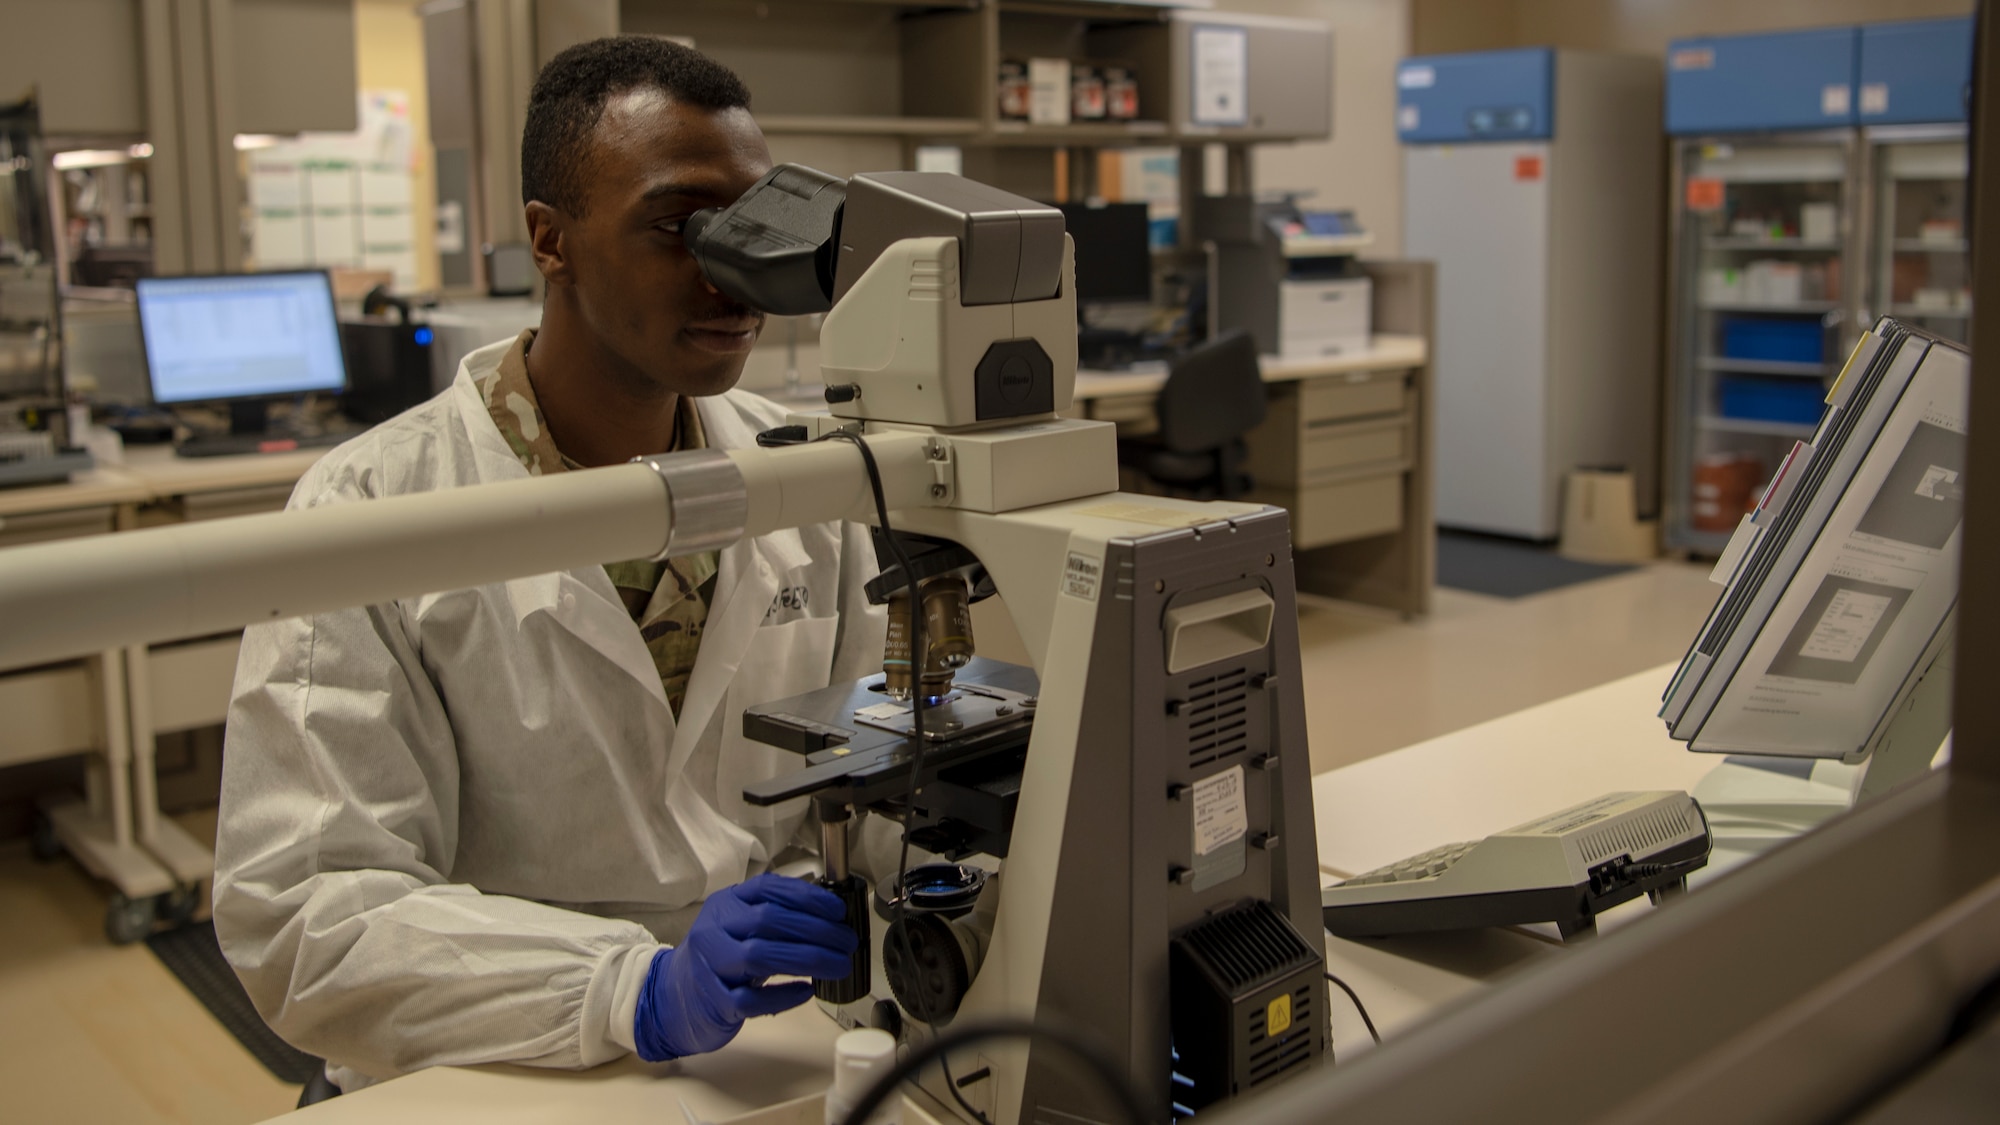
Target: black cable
column 1101, row 1065
column 919, row 656
column 1359, row 1007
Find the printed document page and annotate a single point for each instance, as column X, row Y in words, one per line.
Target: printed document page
column 1875, row 587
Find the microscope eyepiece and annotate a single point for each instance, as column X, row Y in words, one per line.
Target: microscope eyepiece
column 774, row 248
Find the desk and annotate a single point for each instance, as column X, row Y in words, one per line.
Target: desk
column 1345, row 447
column 213, row 487
column 115, row 703
column 1466, row 785
column 771, row 1063
column 90, row 503
column 186, row 683
column 1389, row 352
column 79, row 706
column 1459, row 786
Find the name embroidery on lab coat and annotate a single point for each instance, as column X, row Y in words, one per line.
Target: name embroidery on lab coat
column 790, row 600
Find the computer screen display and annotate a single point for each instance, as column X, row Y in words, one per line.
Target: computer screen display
column 239, row 336
column 1113, row 260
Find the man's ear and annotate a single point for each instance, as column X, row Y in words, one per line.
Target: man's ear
column 546, row 230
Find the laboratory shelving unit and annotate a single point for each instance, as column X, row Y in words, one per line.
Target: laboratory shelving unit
column 1918, row 256
column 1913, row 81
column 1819, row 182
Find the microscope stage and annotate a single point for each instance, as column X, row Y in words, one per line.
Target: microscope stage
column 967, row 710
column 856, row 738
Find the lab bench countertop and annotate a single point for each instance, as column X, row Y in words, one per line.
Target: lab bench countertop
column 1459, row 786
column 103, row 487
column 154, row 472
column 775, row 1061
column 1387, row 352
column 167, row 474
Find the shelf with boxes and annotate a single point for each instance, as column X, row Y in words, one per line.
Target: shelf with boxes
column 1820, row 182
column 1058, row 73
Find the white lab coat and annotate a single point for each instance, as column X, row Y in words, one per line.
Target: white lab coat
column 455, row 828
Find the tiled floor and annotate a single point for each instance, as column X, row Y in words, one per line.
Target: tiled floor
column 1375, row 683
column 90, row 1033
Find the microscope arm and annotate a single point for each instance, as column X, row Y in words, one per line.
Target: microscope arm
column 75, row 597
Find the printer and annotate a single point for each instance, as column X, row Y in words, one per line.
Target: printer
column 1285, row 275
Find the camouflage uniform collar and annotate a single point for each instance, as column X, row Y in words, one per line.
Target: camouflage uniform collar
column 510, row 400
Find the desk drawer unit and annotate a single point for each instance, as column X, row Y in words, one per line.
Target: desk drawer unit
column 1336, row 397
column 1340, row 448
column 1134, row 415
column 1338, row 511
column 224, row 503
column 1333, row 425
column 1336, row 452
column 191, row 681
column 50, row 712
column 40, row 527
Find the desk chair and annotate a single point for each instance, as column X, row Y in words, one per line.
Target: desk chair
column 1213, row 396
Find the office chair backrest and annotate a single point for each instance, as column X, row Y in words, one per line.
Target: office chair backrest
column 1213, row 395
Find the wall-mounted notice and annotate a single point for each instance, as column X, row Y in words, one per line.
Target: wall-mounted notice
column 339, row 199
column 1221, row 68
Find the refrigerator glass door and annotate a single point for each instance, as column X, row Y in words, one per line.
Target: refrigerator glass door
column 1919, row 260
column 1761, row 281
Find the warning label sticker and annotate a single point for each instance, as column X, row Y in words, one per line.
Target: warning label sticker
column 1220, row 816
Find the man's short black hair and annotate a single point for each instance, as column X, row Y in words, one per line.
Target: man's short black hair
column 569, row 97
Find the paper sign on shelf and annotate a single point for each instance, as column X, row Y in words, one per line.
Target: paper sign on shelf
column 1221, row 76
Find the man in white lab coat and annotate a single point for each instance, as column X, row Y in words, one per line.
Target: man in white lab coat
column 466, row 827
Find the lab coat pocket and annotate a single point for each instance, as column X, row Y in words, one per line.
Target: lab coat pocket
column 782, row 660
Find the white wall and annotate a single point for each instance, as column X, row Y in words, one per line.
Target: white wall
column 1361, row 167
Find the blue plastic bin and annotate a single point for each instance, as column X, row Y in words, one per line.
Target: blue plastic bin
column 1782, row 339
column 1770, row 400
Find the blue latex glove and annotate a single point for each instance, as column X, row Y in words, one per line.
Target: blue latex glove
column 698, row 994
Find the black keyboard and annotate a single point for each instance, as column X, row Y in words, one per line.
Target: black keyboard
column 224, row 445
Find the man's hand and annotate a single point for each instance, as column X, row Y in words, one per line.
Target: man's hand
column 698, row 994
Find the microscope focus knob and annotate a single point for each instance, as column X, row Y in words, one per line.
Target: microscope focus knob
column 929, row 965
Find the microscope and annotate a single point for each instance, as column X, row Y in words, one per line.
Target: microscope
column 1137, row 804
column 1137, row 801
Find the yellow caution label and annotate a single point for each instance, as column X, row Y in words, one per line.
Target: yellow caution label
column 1278, row 1015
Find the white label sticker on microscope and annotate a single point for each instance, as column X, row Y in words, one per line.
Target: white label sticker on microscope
column 1080, row 576
column 1219, row 814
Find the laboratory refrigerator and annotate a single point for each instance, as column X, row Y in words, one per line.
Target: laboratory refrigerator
column 1819, row 182
column 1532, row 178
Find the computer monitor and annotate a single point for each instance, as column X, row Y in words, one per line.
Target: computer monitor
column 240, row 339
column 1114, row 261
